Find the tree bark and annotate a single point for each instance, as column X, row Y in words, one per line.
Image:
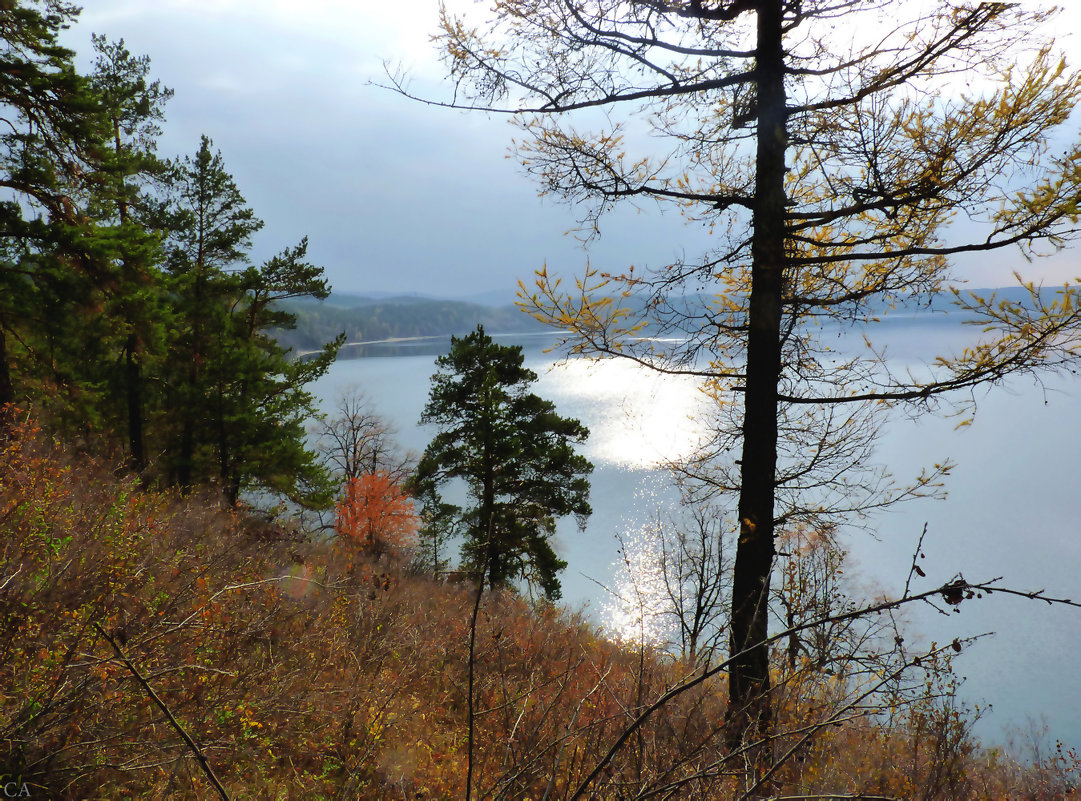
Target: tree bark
column 749, row 715
column 225, row 472
column 133, row 374
column 185, row 460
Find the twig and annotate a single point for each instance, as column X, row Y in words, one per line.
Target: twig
column 11, row 578
column 199, row 755
column 954, row 592
column 832, row 797
column 472, row 653
column 915, row 568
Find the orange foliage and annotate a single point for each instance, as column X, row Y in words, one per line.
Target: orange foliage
column 375, row 512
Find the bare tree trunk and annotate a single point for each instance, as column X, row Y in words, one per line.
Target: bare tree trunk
column 471, row 702
column 749, row 683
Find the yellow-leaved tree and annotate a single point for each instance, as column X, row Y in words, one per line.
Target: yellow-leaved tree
column 829, row 145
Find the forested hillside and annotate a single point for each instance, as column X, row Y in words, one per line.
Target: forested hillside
column 365, row 320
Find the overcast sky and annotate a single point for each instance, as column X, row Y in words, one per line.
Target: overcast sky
column 394, row 195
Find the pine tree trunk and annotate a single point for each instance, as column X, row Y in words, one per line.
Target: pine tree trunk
column 495, row 567
column 134, row 380
column 186, row 468
column 750, row 714
column 185, row 462
column 187, row 453
column 133, row 377
column 7, row 389
column 225, row 471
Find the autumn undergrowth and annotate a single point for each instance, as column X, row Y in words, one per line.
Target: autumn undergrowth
column 306, row 668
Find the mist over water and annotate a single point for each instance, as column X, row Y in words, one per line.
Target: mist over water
column 1013, row 509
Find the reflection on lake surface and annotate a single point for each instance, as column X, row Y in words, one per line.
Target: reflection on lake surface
column 1013, row 508
column 636, row 418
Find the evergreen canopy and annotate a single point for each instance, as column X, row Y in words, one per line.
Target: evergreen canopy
column 516, row 456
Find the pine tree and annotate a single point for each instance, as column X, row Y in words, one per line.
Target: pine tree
column 211, row 228
column 237, row 404
column 516, row 456
column 128, row 168
column 78, row 256
column 51, row 127
column 263, row 406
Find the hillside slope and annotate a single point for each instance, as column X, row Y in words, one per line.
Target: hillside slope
column 298, row 667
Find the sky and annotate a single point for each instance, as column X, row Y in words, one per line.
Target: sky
column 395, row 196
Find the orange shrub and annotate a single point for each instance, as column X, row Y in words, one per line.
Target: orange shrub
column 376, row 512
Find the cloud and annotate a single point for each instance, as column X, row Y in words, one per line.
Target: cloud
column 394, row 195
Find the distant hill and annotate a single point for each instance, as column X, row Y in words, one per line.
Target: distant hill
column 367, row 319
column 496, row 298
column 382, row 316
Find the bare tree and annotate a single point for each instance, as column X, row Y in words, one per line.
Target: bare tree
column 355, row 440
column 677, row 579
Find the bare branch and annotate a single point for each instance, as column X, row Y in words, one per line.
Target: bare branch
column 200, row 757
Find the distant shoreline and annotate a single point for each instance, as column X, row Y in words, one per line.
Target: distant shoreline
column 393, row 340
column 427, row 338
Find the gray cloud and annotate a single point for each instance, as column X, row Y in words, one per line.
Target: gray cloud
column 394, row 195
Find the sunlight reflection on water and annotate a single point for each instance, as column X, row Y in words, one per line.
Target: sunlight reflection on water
column 637, row 418
column 635, row 610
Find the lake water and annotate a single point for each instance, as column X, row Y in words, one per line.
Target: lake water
column 1013, row 509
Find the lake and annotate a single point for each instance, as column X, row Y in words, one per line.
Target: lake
column 1013, row 509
